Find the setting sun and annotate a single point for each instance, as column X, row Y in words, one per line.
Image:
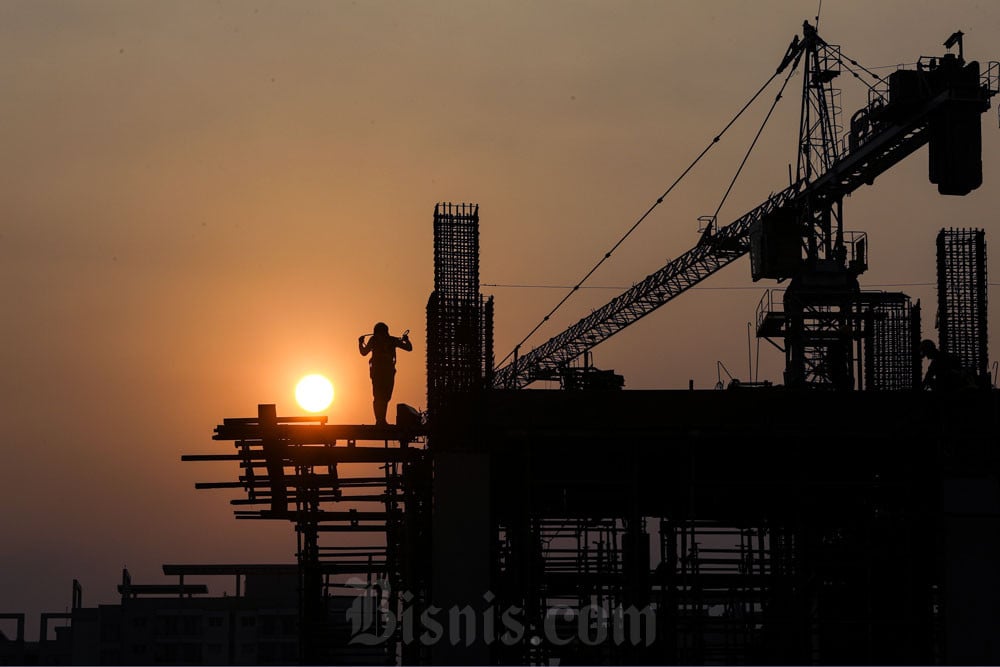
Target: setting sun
column 314, row 393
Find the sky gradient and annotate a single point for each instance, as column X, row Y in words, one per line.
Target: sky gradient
column 204, row 201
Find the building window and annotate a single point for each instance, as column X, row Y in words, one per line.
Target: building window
column 191, row 653
column 110, row 632
column 165, row 654
column 268, row 653
column 289, row 652
column 170, row 626
column 191, row 625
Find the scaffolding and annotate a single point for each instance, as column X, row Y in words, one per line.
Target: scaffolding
column 710, row 588
column 316, row 476
column 961, row 273
column 719, row 592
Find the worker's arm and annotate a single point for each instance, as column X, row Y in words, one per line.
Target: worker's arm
column 404, row 343
column 362, row 347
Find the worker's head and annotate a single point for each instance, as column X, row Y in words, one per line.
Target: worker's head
column 928, row 349
column 381, row 329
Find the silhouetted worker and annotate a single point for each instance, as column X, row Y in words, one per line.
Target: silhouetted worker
column 945, row 372
column 382, row 365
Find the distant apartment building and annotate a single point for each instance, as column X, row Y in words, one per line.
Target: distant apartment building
column 180, row 624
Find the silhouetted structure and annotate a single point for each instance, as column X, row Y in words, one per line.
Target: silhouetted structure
column 766, row 525
column 798, row 233
column 774, row 525
column 733, row 528
column 892, row 355
column 180, row 623
column 318, row 476
column 681, row 526
column 459, row 320
column 961, row 276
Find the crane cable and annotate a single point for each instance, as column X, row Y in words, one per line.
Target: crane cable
column 753, row 143
column 645, row 215
column 864, row 69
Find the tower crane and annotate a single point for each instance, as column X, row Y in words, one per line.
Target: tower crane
column 797, row 233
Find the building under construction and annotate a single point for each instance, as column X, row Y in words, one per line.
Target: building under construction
column 840, row 515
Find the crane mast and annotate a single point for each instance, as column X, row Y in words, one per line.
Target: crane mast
column 798, row 233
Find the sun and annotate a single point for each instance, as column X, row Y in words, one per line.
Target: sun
column 314, row 393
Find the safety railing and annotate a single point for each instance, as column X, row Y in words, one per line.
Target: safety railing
column 990, row 77
column 856, row 245
column 771, row 301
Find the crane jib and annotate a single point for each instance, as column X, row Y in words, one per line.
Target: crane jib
column 890, row 131
column 712, row 253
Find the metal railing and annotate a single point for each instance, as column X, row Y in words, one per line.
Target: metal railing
column 990, row 77
column 856, row 245
column 771, row 301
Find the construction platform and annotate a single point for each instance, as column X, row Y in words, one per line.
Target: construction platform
column 870, row 540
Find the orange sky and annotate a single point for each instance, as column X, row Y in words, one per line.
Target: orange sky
column 204, row 201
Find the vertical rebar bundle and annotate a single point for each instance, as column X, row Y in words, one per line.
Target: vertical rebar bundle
column 961, row 271
column 459, row 322
column 890, row 352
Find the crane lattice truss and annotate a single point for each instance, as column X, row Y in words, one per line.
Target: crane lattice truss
column 712, row 253
column 882, row 134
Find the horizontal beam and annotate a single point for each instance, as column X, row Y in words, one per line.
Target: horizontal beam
column 221, row 569
column 214, row 457
column 316, row 455
column 329, row 516
column 162, row 589
column 265, row 499
column 316, row 433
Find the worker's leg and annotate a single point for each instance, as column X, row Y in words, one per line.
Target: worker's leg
column 382, row 385
column 380, row 407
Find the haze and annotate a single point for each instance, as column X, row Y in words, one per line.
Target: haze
column 204, row 201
